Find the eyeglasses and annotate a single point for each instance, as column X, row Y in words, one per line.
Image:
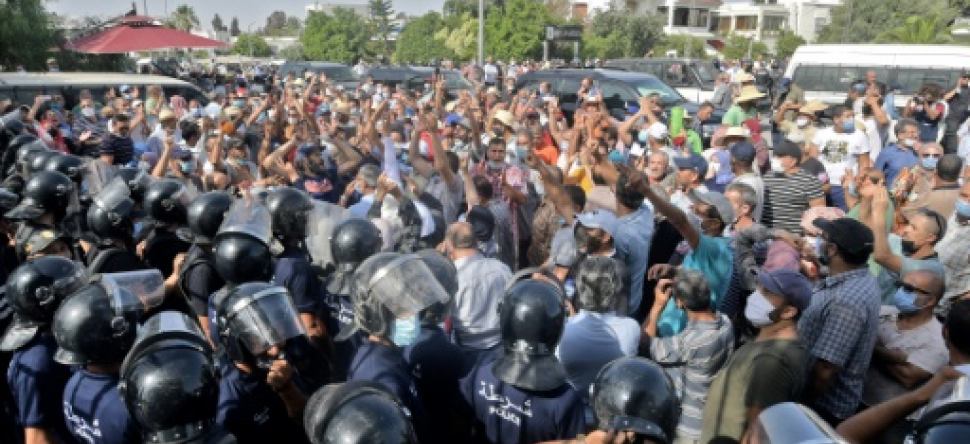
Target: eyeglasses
column 936, row 155
column 911, row 288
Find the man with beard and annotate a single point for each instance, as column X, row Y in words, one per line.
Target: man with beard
column 309, row 171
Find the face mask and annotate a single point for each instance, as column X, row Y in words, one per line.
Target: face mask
column 909, row 247
column 521, row 152
column 777, row 166
column 816, row 243
column 617, row 157
column 495, row 165
column 586, row 243
column 758, row 311
column 963, row 208
column 56, row 107
column 87, row 112
column 852, row 189
column 540, row 189
column 405, row 331
column 271, row 114
column 802, row 122
column 144, row 166
column 642, row 136
column 239, row 103
column 930, row 162
column 909, row 143
column 458, row 145
column 848, row 126
column 823, row 254
column 194, row 111
column 186, row 166
column 905, row 301
column 400, row 148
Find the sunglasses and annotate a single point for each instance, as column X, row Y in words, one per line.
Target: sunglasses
column 911, row 288
column 932, row 155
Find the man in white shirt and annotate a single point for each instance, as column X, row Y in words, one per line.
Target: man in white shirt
column 366, row 184
column 840, row 148
column 490, row 72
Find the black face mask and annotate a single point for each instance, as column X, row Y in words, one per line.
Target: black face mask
column 824, row 258
column 909, row 247
column 585, row 242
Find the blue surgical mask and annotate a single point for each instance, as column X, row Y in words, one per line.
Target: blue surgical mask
column 186, row 166
column 905, row 301
column 521, row 152
column 405, row 331
column 239, row 103
column 852, row 189
column 963, row 208
column 930, row 162
column 642, row 136
column 56, row 106
column 495, row 165
column 617, row 157
column 848, row 126
column 405, row 158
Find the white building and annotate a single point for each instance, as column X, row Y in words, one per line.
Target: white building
column 328, row 7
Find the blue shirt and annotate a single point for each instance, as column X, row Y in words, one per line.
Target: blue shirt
column 634, row 233
column 250, row 410
column 714, row 256
column 94, row 411
column 893, row 159
column 294, row 272
column 37, row 383
column 322, row 187
column 505, row 414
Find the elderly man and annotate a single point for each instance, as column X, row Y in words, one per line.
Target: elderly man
column 954, row 249
column 945, row 188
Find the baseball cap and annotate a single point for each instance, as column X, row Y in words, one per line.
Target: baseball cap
column 658, row 131
column 787, row 148
column 452, row 119
column 789, row 284
column 785, row 82
column 743, row 151
column 602, row 219
column 724, row 208
column 693, row 162
column 848, row 234
column 632, row 109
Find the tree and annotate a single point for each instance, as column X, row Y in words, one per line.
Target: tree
column 381, row 13
column 184, row 18
column 463, row 40
column 517, row 30
column 217, row 24
column 275, row 22
column 861, row 21
column 617, row 33
column 918, row 30
column 247, row 44
column 341, row 37
column 293, row 25
column 679, row 43
column 292, row 52
column 787, row 43
column 738, row 47
column 26, row 34
column 234, row 27
column 418, row 41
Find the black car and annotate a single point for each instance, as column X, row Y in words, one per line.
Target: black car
column 337, row 73
column 619, row 88
column 412, row 77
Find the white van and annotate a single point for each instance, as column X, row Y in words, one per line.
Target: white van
column 22, row 88
column 826, row 72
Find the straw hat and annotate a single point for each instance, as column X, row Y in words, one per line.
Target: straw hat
column 166, row 113
column 505, row 117
column 743, row 77
column 813, row 107
column 341, row 108
column 738, row 131
column 749, row 93
column 233, row 111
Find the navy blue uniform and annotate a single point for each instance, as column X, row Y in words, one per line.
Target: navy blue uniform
column 252, row 412
column 94, row 411
column 37, row 382
column 161, row 247
column 436, row 365
column 294, row 271
column 340, row 317
column 507, row 415
column 198, row 279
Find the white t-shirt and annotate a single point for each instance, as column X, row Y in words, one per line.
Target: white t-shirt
column 491, row 73
column 876, row 136
column 839, row 152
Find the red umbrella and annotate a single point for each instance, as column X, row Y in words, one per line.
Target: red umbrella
column 137, row 33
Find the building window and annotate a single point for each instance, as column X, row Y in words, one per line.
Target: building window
column 724, row 24
column 820, row 22
column 691, row 17
column 746, row 23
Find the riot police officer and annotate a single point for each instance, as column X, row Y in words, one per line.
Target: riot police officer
column 198, row 278
column 34, row 291
column 111, row 230
column 67, row 164
column 791, row 423
column 94, row 330
column 47, row 198
column 17, row 151
column 351, row 242
column 170, row 385
column 633, row 396
column 357, row 412
column 259, row 393
column 165, row 203
column 521, row 393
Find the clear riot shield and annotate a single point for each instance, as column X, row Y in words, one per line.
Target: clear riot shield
column 97, row 175
column 322, row 221
column 791, row 423
column 135, row 291
column 114, row 195
column 248, row 217
column 265, row 320
column 405, row 285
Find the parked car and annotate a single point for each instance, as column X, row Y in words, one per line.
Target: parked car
column 23, row 88
column 412, row 77
column 694, row 79
column 337, row 73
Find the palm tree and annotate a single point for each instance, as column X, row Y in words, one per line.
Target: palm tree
column 918, row 30
column 184, row 18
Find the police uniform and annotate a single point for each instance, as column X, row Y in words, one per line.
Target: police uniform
column 505, row 414
column 436, row 365
column 161, row 247
column 112, row 260
column 94, row 412
column 199, row 279
column 340, row 317
column 294, row 272
column 37, row 383
column 250, row 410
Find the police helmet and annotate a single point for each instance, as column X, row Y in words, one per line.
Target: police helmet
column 946, row 417
column 242, row 258
column 35, row 290
column 289, row 209
column 635, row 394
column 532, row 317
column 353, row 241
column 138, row 182
column 67, row 164
column 46, row 191
column 445, row 272
column 17, row 149
column 109, row 217
column 38, row 161
column 254, row 317
column 204, row 215
column 357, row 412
column 165, row 201
column 169, row 381
column 14, row 184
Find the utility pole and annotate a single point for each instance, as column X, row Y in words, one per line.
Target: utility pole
column 481, row 33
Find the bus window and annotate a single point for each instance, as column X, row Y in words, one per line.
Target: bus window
column 839, row 78
column 809, row 78
column 911, row 79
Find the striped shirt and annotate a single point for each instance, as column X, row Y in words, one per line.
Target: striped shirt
column 787, row 197
column 692, row 358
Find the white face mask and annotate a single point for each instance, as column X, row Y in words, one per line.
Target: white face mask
column 87, row 112
column 758, row 310
column 909, row 143
column 293, row 120
column 776, row 165
column 802, row 122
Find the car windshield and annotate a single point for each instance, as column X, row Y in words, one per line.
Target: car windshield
column 455, row 80
column 668, row 95
column 705, row 72
column 340, row 74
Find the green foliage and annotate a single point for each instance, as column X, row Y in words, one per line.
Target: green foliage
column 462, row 40
column 679, row 43
column 918, row 30
column 737, row 47
column 234, row 27
column 517, row 30
column 617, row 33
column 292, row 52
column 418, row 41
column 247, row 44
column 381, row 13
column 184, row 18
column 787, row 43
column 217, row 24
column 861, row 21
column 26, row 34
column 341, row 37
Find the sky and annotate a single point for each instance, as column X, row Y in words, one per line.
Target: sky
column 248, row 11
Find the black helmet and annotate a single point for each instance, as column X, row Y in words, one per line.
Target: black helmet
column 8, row 200
column 97, row 325
column 109, row 216
column 357, row 412
column 14, row 184
column 17, row 149
column 204, row 215
column 46, row 191
column 289, row 209
column 949, row 428
column 26, row 155
column 168, row 380
column 253, row 317
column 946, row 417
column 445, row 272
column 67, row 164
column 137, row 180
column 242, row 258
column 532, row 317
column 38, row 161
column 353, row 241
column 165, row 201
column 34, row 291
column 635, row 394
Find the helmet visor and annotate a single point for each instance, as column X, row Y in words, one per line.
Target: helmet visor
column 113, row 195
column 406, row 286
column 792, row 423
column 266, row 320
column 951, row 396
column 248, row 217
column 166, row 325
column 97, row 175
column 321, row 222
column 135, row 291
